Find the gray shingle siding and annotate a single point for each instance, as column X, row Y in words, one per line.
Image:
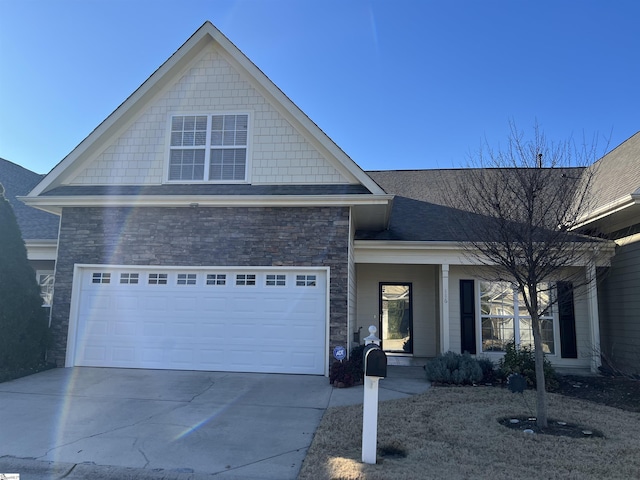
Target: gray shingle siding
column 316, row 236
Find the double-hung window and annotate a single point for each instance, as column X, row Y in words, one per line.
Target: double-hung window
column 505, row 318
column 209, row 148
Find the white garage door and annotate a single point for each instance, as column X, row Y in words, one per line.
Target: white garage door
column 245, row 320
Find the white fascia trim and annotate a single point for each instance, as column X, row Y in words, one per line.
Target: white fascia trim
column 206, row 200
column 41, row 249
column 425, row 253
column 452, row 253
column 609, row 209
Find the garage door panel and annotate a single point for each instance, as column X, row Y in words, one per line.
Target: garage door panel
column 214, row 303
column 154, row 302
column 124, row 328
column 153, row 329
column 124, row 354
column 127, row 302
column 210, row 356
column 212, row 330
column 95, row 353
column 151, row 355
column 226, row 327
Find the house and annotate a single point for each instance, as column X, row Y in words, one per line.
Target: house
column 615, row 213
column 39, row 229
column 209, row 224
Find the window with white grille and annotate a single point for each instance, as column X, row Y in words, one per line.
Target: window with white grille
column 209, row 148
column 100, row 277
column 305, row 280
column 245, row 279
column 276, row 280
column 187, row 279
column 216, row 279
column 129, row 278
column 158, row 279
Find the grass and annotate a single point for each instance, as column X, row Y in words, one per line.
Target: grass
column 453, row 433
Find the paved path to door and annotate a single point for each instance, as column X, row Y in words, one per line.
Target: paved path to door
column 123, row 423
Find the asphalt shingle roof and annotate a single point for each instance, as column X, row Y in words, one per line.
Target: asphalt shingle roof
column 617, row 174
column 209, row 189
column 420, row 211
column 18, row 181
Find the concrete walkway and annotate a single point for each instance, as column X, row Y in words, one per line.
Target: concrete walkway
column 142, row 424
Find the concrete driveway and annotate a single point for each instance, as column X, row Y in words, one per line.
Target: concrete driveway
column 123, row 423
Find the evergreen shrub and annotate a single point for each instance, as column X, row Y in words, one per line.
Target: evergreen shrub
column 454, row 368
column 521, row 359
column 23, row 321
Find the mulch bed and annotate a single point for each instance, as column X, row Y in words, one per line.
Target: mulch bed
column 555, row 427
column 614, row 391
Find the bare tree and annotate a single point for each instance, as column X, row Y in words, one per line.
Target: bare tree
column 517, row 208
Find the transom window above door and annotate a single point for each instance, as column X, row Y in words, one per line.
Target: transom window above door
column 208, row 148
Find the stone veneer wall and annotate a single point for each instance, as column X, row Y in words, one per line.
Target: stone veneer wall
column 260, row 236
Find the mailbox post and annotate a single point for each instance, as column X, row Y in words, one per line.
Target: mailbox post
column 375, row 368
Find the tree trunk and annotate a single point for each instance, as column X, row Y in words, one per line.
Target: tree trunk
column 541, row 391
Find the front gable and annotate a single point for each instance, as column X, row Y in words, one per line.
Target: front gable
column 277, row 153
column 207, row 76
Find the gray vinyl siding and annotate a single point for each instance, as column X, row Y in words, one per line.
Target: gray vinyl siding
column 620, row 309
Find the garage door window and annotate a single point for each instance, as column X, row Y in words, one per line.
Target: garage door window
column 187, row 278
column 245, row 279
column 216, row 279
column 100, row 277
column 305, row 280
column 129, row 278
column 276, row 280
column 157, row 279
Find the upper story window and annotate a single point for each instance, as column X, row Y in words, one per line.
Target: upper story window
column 208, row 148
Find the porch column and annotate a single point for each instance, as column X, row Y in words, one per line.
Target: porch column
column 594, row 319
column 444, row 308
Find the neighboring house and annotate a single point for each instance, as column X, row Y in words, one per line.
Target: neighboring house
column 39, row 229
column 615, row 214
column 209, row 224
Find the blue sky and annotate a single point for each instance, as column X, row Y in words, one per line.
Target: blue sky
column 397, row 84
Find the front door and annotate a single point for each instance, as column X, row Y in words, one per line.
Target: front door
column 396, row 317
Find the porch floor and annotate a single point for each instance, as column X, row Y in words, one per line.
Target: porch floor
column 406, row 360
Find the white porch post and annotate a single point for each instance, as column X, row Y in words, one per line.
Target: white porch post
column 444, row 308
column 594, row 319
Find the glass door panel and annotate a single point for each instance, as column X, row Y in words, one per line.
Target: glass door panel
column 396, row 317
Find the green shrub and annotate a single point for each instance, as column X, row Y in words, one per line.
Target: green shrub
column 489, row 374
column 348, row 372
column 454, row 368
column 521, row 359
column 23, row 321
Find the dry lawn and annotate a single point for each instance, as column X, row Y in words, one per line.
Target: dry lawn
column 453, row 433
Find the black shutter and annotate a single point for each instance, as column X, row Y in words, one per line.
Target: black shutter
column 467, row 317
column 567, row 319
